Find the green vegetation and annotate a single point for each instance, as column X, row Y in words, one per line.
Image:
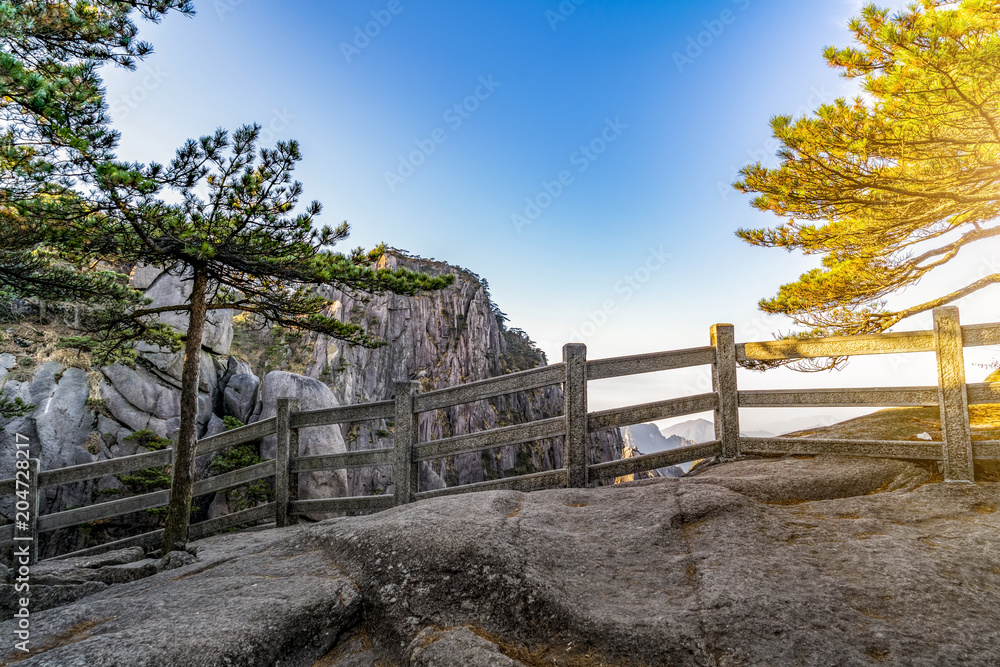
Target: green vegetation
column 221, row 211
column 231, row 422
column 55, row 135
column 147, row 480
column 889, row 186
column 11, row 408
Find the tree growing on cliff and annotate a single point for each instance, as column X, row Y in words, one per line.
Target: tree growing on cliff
column 234, row 237
column 889, row 186
column 54, row 129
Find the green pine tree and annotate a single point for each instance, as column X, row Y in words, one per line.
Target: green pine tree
column 235, row 237
column 70, row 213
column 53, row 130
column 889, row 186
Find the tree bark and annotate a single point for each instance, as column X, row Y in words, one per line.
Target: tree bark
column 181, row 487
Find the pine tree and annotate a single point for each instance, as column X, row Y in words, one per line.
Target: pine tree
column 234, row 235
column 895, row 183
column 53, row 129
column 70, row 213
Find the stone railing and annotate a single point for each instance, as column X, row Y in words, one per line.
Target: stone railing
column 952, row 396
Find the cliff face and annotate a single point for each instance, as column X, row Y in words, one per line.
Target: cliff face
column 85, row 414
column 440, row 340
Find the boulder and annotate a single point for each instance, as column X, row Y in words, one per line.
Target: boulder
column 313, row 441
column 240, row 390
column 140, row 400
column 57, row 431
column 168, row 288
column 240, row 396
column 63, row 421
column 171, row 366
column 802, row 478
column 143, row 276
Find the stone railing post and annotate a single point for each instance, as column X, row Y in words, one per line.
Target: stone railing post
column 286, row 485
column 575, row 409
column 727, row 415
column 953, row 399
column 405, row 473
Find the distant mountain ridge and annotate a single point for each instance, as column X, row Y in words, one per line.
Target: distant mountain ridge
column 695, row 430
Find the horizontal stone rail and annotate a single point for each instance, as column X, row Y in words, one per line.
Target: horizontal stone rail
column 599, row 369
column 953, row 395
column 977, row 335
column 837, row 346
column 233, row 478
column 105, row 510
column 499, row 437
column 360, row 459
column 348, row 413
column 986, row 449
column 983, row 393
column 118, row 466
column 973, row 335
column 891, row 449
column 647, row 462
column 832, row 398
column 638, row 414
column 237, row 436
column 535, row 378
column 533, row 482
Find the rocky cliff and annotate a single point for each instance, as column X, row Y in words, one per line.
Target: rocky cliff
column 438, row 340
column 83, row 414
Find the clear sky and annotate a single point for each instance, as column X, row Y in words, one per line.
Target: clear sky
column 576, row 154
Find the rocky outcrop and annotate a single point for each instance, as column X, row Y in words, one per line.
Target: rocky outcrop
column 693, row 430
column 640, row 439
column 441, row 339
column 239, row 390
column 140, row 399
column 168, row 288
column 313, row 441
column 444, row 647
column 666, row 471
column 449, row 337
column 58, row 582
column 247, row 601
column 59, row 430
column 794, row 561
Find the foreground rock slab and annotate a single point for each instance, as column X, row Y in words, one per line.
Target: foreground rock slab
column 247, row 601
column 878, row 564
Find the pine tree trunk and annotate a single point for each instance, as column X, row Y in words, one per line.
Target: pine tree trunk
column 179, row 511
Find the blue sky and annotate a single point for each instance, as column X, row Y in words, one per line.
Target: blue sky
column 578, row 156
